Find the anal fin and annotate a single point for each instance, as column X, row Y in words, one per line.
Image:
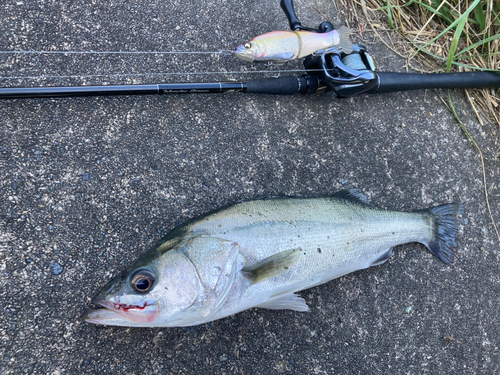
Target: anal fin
column 289, row 301
column 383, row 258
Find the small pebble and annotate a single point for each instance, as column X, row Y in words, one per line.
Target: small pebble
column 55, row 268
column 85, row 176
column 14, row 185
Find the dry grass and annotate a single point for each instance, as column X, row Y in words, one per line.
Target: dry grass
column 441, row 36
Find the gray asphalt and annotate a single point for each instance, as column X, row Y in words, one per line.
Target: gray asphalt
column 87, row 185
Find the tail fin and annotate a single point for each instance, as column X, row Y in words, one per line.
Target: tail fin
column 445, row 222
column 344, row 39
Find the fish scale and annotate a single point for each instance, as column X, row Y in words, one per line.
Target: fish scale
column 260, row 253
column 350, row 237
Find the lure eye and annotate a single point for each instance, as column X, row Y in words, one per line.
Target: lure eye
column 247, row 45
column 142, row 281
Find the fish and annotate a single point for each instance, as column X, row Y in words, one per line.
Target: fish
column 281, row 46
column 260, row 253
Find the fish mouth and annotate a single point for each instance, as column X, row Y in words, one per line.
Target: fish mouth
column 121, row 314
column 243, row 53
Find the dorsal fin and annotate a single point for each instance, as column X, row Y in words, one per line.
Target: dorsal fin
column 353, row 195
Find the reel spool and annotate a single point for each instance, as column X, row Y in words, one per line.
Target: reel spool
column 345, row 75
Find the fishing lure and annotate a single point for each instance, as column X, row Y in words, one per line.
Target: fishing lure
column 341, row 67
column 280, row 46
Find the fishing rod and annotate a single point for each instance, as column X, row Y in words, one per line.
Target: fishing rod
column 345, row 69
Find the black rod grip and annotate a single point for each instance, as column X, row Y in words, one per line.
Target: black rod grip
column 287, row 6
column 278, row 86
column 392, row 82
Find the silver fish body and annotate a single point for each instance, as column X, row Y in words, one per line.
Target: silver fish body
column 260, row 253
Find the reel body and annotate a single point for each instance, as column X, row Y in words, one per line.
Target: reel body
column 344, row 74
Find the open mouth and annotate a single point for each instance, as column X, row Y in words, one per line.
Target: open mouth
column 125, row 307
column 121, row 314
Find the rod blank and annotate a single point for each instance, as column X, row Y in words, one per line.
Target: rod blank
column 54, row 92
column 289, row 85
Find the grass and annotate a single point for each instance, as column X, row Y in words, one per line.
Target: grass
column 445, row 36
column 448, row 36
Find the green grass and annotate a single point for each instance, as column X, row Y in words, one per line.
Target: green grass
column 476, row 22
column 451, row 35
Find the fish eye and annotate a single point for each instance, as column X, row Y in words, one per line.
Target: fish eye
column 142, row 281
column 247, row 45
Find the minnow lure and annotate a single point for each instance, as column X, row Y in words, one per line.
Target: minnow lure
column 280, row 46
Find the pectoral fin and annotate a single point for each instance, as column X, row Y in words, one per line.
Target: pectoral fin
column 272, row 266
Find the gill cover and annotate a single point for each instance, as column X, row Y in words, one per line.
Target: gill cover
column 217, row 262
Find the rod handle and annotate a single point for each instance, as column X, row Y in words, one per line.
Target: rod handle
column 392, row 82
column 289, row 85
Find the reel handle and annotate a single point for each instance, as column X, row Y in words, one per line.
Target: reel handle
column 287, row 6
column 296, row 25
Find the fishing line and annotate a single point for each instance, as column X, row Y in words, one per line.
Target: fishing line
column 218, row 53
column 159, row 73
column 221, row 52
